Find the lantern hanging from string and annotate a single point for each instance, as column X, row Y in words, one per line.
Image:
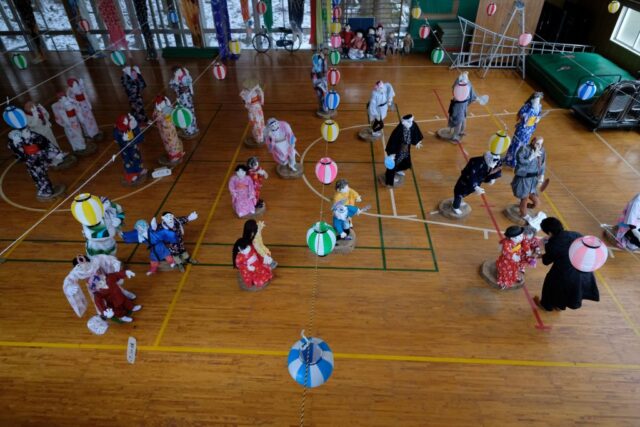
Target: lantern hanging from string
column 15, row 117
column 588, row 253
column 182, row 117
column 587, row 90
column 416, row 12
column 118, row 58
column 235, row 47
column 310, row 361
column 499, row 142
column 333, row 76
column 87, row 209
column 336, row 41
column 525, row 39
column 334, row 57
column 326, row 170
column 336, row 27
column 321, row 238
column 437, row 55
column 337, row 13
column 332, row 100
column 613, row 6
column 19, row 60
column 219, row 71
column 424, row 32
column 330, row 130
column 84, row 26
column 492, row 8
column 261, row 7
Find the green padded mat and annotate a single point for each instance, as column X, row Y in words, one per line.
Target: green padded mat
column 562, row 74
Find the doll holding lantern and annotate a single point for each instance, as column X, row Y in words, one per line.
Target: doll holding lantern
column 182, row 85
column 463, row 95
column 398, row 150
column 168, row 134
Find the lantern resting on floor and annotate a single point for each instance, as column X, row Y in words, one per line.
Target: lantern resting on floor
column 478, row 170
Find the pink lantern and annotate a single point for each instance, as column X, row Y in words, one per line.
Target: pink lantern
column 261, row 8
column 491, row 9
column 83, row 24
column 219, row 71
column 336, row 41
column 525, row 39
column 326, row 170
column 333, row 76
column 425, row 30
column 588, row 253
column 337, row 13
column 461, row 92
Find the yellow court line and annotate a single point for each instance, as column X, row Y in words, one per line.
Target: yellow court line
column 344, row 356
column 602, row 280
column 185, row 275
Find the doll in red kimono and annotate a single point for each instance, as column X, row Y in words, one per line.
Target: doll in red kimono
column 250, row 264
column 346, row 35
column 531, row 248
column 109, row 298
column 258, row 175
column 510, row 259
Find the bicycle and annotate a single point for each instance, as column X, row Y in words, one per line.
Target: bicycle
column 289, row 40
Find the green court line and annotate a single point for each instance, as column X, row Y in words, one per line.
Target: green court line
column 184, row 167
column 375, row 183
column 426, row 226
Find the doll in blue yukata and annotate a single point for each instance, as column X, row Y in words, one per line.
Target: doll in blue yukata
column 156, row 241
column 342, row 214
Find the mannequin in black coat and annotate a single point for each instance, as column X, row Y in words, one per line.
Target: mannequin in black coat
column 406, row 134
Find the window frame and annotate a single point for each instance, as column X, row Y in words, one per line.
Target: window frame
column 614, row 35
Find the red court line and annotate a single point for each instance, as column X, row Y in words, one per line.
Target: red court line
column 534, row 308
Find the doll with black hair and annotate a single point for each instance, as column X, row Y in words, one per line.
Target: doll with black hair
column 254, row 273
column 243, row 193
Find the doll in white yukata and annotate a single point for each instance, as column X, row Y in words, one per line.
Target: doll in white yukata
column 76, row 91
column 378, row 106
column 253, row 98
column 176, row 224
column 66, row 112
column 182, row 85
column 281, row 143
column 38, row 122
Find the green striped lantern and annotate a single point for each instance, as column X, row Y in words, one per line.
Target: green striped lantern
column 118, row 58
column 334, row 57
column 321, row 238
column 19, row 60
column 437, row 55
column 182, row 117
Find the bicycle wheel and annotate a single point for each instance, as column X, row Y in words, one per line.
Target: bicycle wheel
column 261, row 42
column 292, row 42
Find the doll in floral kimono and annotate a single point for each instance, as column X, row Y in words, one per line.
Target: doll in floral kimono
column 134, row 84
column 253, row 98
column 243, row 195
column 176, row 225
column 127, row 135
column 38, row 122
column 321, row 89
column 168, row 134
column 258, row 175
column 510, row 260
column 76, row 91
column 529, row 116
column 253, row 231
column 531, row 248
column 281, row 143
column 255, row 273
column 66, row 112
column 182, row 85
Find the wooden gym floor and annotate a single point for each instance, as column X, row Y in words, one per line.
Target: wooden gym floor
column 418, row 337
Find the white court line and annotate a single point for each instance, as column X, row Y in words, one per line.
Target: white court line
column 393, row 197
column 604, row 141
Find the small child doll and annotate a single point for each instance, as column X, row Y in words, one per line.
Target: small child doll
column 407, row 44
column 531, row 248
column 510, row 260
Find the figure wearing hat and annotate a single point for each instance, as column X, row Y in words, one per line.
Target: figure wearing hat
column 253, row 98
column 529, row 116
column 176, row 225
column 478, row 170
column 108, row 297
column 127, row 135
column 258, row 175
column 528, row 174
column 381, row 99
column 168, row 134
column 511, row 257
column 281, row 143
column 133, row 84
column 32, row 149
column 76, row 91
column 66, row 112
column 398, row 148
column 182, row 85
column 156, row 241
column 463, row 95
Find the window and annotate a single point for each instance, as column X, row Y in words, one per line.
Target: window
column 627, row 30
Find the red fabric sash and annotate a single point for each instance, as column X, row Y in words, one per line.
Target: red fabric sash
column 31, row 149
column 80, row 97
column 71, row 113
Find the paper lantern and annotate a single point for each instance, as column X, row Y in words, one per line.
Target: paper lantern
column 182, row 117
column 614, row 6
column 461, row 91
column 491, row 9
column 219, row 71
column 336, row 27
column 525, row 39
column 332, row 100
column 173, row 17
column 321, row 238
column 15, row 117
column 336, row 41
column 587, row 90
column 337, row 13
column 333, row 76
column 437, row 55
column 310, row 362
column 330, row 130
column 235, row 47
column 335, row 3
column 389, row 163
column 499, row 142
column 416, row 12
column 424, row 32
column 334, row 57
column 87, row 209
column 118, row 58
column 19, row 60
column 261, row 8
column 588, row 253
column 326, row 170
column 84, row 26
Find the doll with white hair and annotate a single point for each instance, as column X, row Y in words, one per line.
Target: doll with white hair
column 281, row 143
column 182, row 85
column 253, row 97
column 463, row 95
column 529, row 116
column 398, row 149
column 168, row 133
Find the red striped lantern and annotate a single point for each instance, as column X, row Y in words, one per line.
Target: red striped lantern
column 261, row 8
column 425, row 30
column 333, row 76
column 491, row 9
column 326, row 170
column 83, row 24
column 588, row 253
column 219, row 71
column 525, row 39
column 336, row 41
column 461, row 92
column 337, row 13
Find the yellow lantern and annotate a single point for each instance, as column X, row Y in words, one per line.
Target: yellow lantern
column 416, row 12
column 614, row 6
column 499, row 142
column 87, row 209
column 336, row 27
column 330, row 130
column 235, row 47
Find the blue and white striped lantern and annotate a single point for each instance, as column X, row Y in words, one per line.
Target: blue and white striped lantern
column 310, row 362
column 587, row 90
column 321, row 238
column 182, row 117
column 118, row 58
column 332, row 100
column 15, row 117
column 19, row 60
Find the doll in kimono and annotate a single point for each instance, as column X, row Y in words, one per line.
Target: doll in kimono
column 255, row 273
column 346, row 35
column 253, row 232
column 127, row 135
column 133, row 84
column 628, row 229
column 281, row 143
column 398, row 148
column 510, row 259
column 253, row 98
column 477, row 171
column 358, row 46
column 531, row 248
column 66, row 112
column 529, row 116
column 243, row 195
column 167, row 130
column 108, row 297
column 38, row 122
column 156, row 241
column 182, row 85
column 77, row 92
column 176, row 225
column 258, row 175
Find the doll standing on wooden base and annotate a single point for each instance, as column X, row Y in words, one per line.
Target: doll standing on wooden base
column 168, row 134
column 509, row 262
column 77, row 92
column 182, row 85
column 253, row 97
column 258, row 175
column 126, row 134
column 255, row 273
column 243, row 195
